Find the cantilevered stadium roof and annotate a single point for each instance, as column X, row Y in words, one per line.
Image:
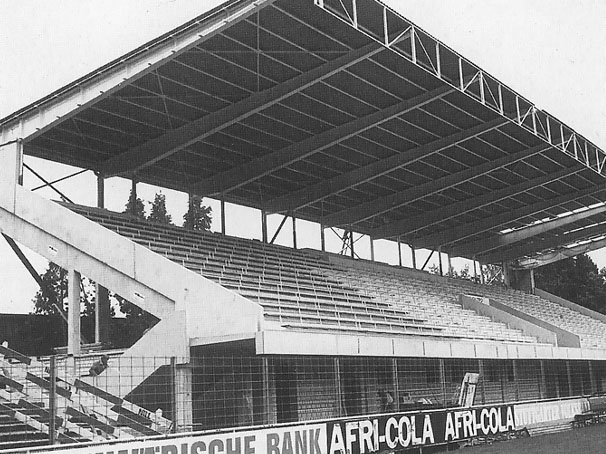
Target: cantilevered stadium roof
column 339, row 111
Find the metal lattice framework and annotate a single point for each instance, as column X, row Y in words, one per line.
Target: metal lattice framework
column 340, row 112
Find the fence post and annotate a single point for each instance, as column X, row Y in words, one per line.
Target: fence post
column 173, row 403
column 52, row 407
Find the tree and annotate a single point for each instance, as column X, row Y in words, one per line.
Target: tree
column 134, row 206
column 198, row 216
column 158, row 211
column 576, row 279
column 49, row 297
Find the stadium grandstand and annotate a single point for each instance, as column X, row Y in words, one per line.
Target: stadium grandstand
column 338, row 112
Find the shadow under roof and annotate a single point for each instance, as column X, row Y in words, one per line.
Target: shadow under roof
column 343, row 113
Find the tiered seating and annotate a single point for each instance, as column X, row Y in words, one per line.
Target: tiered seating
column 591, row 331
column 434, row 302
column 84, row 412
column 300, row 289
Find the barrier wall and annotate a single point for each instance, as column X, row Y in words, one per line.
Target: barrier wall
column 359, row 435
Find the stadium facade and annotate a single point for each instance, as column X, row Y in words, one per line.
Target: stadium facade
column 341, row 113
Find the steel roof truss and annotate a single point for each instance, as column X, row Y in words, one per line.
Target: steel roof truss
column 384, row 204
column 152, row 151
column 526, row 249
column 409, row 225
column 488, row 244
column 250, row 171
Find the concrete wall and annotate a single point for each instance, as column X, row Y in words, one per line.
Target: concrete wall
column 570, row 305
column 146, row 279
column 527, row 327
column 285, row 342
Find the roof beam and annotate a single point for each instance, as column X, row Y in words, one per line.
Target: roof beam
column 384, row 204
column 560, row 254
column 339, row 183
column 526, row 249
column 35, row 119
column 408, row 225
column 172, row 141
column 487, row 244
column 257, row 168
column 473, row 228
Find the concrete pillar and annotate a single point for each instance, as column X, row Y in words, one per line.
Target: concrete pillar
column 507, row 275
column 413, row 255
column 440, row 261
column 520, row 279
column 73, row 317
column 542, row 382
column 102, row 315
column 133, row 189
column 100, row 191
column 264, row 226
column 482, row 277
column 351, row 244
column 322, row 238
column 372, row 249
column 294, row 231
column 399, row 252
column 102, row 305
column 11, row 172
column 183, row 399
column 449, row 265
column 223, row 216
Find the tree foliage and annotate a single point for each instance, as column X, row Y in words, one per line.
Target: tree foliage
column 198, row 216
column 158, row 212
column 50, row 295
column 576, row 279
column 134, row 206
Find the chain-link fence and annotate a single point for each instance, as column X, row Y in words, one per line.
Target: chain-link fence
column 100, row 397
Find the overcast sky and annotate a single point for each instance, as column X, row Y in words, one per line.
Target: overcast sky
column 550, row 51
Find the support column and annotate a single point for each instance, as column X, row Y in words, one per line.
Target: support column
column 482, row 278
column 399, row 252
column 442, row 370
column 102, row 315
column 11, row 172
column 133, row 190
column 440, row 261
column 413, row 255
column 264, row 226
column 372, row 249
column 102, row 305
column 339, row 397
column 73, row 317
column 100, row 191
column 475, row 271
column 294, row 231
column 396, row 384
column 515, row 379
column 322, row 238
column 351, row 243
column 569, row 376
column 223, row 216
column 482, row 372
column 449, row 265
column 183, row 399
column 592, row 380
